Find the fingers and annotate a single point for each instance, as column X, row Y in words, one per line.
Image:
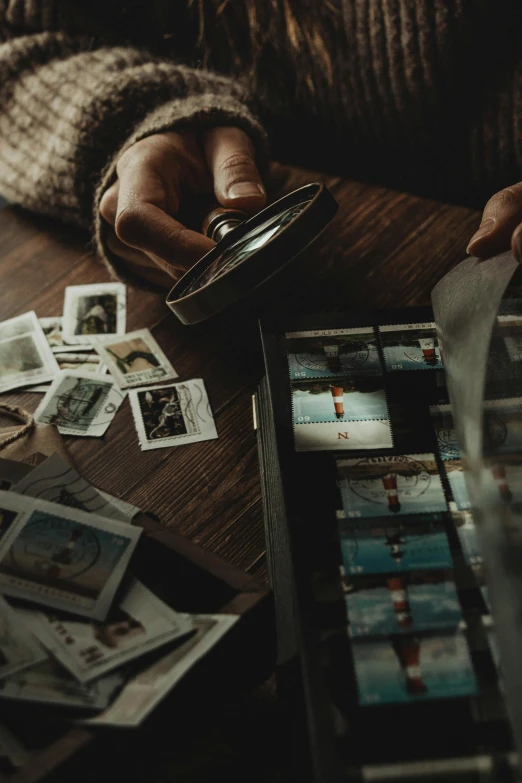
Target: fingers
column 500, row 227
column 141, row 203
column 231, row 159
column 139, row 263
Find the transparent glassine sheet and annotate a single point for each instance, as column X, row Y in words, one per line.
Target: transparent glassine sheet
column 481, row 335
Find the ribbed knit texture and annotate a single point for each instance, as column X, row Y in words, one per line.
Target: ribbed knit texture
column 427, row 91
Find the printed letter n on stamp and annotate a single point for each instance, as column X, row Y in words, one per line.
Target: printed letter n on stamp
column 172, row 415
column 136, row 359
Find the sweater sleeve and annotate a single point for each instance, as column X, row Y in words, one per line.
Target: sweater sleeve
column 69, row 106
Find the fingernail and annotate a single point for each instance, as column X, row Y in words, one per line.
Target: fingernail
column 245, row 189
column 485, row 229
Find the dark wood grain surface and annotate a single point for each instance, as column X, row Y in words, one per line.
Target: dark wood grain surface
column 383, row 249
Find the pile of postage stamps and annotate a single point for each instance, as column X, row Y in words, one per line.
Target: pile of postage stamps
column 74, row 622
column 376, row 395
column 85, row 364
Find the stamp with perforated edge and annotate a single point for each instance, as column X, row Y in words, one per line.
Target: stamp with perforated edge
column 96, row 311
column 411, row 346
column 391, row 485
column 135, row 359
column 325, row 353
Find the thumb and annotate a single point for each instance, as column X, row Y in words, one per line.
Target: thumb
column 231, row 159
column 502, row 214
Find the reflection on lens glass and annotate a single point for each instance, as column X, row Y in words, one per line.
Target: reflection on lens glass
column 236, row 253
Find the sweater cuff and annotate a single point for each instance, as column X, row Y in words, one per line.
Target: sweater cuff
column 197, row 112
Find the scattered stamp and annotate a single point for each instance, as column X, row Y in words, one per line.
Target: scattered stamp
column 344, row 436
column 325, row 353
column 172, row 415
column 410, row 346
column 380, row 546
column 94, row 311
column 25, row 356
column 401, row 603
column 467, row 533
column 139, row 697
column 410, row 668
column 53, row 330
column 77, row 362
column 62, row 557
column 344, row 400
column 18, row 647
column 390, row 485
column 444, row 427
column 50, row 683
column 136, row 359
column 58, row 482
column 80, row 404
column 140, row 623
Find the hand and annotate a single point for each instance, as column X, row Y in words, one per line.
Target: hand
column 501, row 225
column 154, row 175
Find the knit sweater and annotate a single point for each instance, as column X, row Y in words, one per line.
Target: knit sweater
column 421, row 94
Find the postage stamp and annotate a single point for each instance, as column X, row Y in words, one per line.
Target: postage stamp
column 503, row 426
column 139, row 624
column 172, row 415
column 53, row 330
column 325, row 353
column 379, row 546
column 136, row 359
column 346, row 399
column 25, row 356
column 94, row 311
column 344, row 436
column 49, row 682
column 143, row 693
column 443, row 425
column 58, row 482
column 410, row 346
column 411, row 668
column 77, row 362
column 456, row 476
column 18, row 647
column 390, row 485
column 401, row 603
column 62, row 557
column 467, row 533
column 80, row 404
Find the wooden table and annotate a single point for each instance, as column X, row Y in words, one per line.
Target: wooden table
column 383, row 249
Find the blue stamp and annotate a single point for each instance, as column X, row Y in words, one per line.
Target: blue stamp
column 411, row 668
column 456, row 476
column 444, row 428
column 327, row 353
column 390, row 485
column 346, row 399
column 383, row 546
column 411, row 346
column 401, row 603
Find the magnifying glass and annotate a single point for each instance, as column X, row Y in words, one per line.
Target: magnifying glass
column 250, row 251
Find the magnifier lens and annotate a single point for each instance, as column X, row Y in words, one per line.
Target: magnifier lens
column 238, row 251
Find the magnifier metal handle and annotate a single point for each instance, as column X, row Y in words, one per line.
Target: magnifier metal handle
column 222, row 220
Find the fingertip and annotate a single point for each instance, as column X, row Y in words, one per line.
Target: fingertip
column 516, row 244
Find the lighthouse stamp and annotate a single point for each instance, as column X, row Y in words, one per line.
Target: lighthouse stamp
column 62, row 557
column 343, row 400
column 444, row 428
column 391, row 486
column 401, row 603
column 410, row 346
column 172, row 415
column 457, row 480
column 327, row 353
column 380, row 546
column 94, row 311
column 410, row 668
column 80, row 404
column 136, row 359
